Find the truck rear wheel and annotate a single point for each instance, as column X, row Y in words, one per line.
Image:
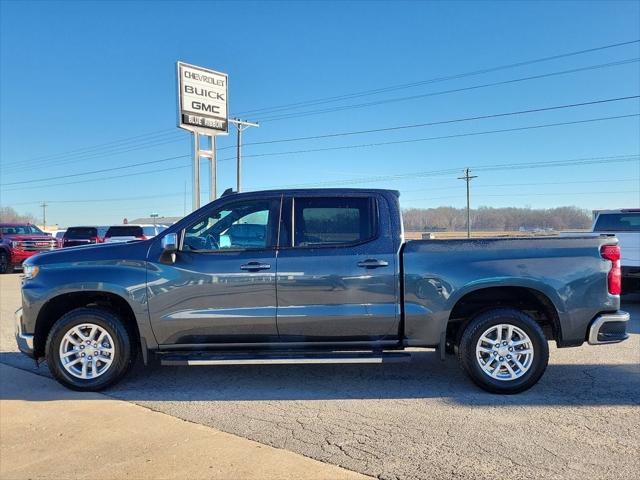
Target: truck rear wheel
column 89, row 349
column 504, row 350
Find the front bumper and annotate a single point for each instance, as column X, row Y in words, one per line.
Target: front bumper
column 24, row 340
column 609, row 328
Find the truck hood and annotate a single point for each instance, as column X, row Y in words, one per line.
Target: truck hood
column 93, row 253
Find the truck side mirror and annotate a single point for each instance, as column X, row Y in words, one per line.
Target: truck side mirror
column 169, row 248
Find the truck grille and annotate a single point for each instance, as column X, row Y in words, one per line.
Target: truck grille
column 37, row 245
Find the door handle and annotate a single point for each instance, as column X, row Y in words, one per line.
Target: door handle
column 373, row 263
column 255, row 266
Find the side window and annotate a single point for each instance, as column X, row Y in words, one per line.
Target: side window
column 240, row 226
column 333, row 221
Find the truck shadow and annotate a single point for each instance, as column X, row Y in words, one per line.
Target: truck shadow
column 424, row 377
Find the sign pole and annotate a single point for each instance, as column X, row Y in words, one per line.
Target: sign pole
column 213, row 169
column 195, row 176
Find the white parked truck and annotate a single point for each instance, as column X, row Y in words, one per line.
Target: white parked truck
column 624, row 224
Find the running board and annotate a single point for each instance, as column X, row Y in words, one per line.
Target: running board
column 203, row 358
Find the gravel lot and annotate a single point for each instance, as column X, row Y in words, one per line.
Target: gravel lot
column 423, row 419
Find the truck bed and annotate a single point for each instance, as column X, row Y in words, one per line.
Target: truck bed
column 568, row 272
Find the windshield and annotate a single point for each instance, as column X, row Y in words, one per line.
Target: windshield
column 618, row 222
column 21, row 230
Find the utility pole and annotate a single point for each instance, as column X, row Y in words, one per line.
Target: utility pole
column 241, row 125
column 467, row 178
column 44, row 206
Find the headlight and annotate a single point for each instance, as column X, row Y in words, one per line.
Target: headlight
column 16, row 244
column 30, row 271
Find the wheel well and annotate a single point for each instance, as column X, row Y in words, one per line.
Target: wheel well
column 62, row 304
column 529, row 300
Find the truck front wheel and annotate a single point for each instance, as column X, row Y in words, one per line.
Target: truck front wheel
column 89, row 349
column 504, row 350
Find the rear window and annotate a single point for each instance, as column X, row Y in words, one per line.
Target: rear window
column 81, row 232
column 125, row 231
column 617, row 222
column 333, row 221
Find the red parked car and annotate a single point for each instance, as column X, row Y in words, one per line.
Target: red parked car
column 19, row 241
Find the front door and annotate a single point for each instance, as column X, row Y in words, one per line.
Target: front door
column 221, row 288
column 337, row 271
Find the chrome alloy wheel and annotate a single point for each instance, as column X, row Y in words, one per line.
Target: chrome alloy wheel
column 504, row 352
column 87, row 351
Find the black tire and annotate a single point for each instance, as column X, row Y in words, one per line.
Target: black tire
column 5, row 263
column 481, row 323
column 125, row 349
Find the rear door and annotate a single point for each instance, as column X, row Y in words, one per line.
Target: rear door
column 337, row 270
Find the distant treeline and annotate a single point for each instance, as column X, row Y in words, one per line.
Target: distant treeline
column 9, row 215
column 495, row 219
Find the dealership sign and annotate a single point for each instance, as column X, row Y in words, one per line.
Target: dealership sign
column 202, row 100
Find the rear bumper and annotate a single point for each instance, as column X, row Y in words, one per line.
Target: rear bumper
column 24, row 340
column 609, row 328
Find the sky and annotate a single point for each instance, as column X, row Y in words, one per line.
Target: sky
column 90, row 87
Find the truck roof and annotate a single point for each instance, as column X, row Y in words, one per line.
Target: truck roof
column 316, row 191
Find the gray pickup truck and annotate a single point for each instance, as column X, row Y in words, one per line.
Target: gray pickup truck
column 316, row 276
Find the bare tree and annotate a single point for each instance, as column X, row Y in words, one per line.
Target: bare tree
column 495, row 219
column 9, row 215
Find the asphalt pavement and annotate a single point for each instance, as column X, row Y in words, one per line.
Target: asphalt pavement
column 418, row 420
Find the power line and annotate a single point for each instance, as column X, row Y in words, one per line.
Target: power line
column 451, row 171
column 445, row 92
column 103, row 170
column 442, row 122
column 339, row 134
column 530, row 127
column 362, row 93
column 492, row 185
column 102, row 179
column 180, row 194
column 164, row 132
column 100, row 154
column 441, row 137
column 100, row 146
column 522, row 194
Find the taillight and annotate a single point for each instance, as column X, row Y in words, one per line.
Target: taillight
column 141, row 237
column 94, row 240
column 614, row 279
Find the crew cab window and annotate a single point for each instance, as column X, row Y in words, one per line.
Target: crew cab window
column 333, row 221
column 617, row 222
column 239, row 226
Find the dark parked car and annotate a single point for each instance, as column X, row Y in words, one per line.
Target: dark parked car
column 127, row 233
column 317, row 276
column 76, row 236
